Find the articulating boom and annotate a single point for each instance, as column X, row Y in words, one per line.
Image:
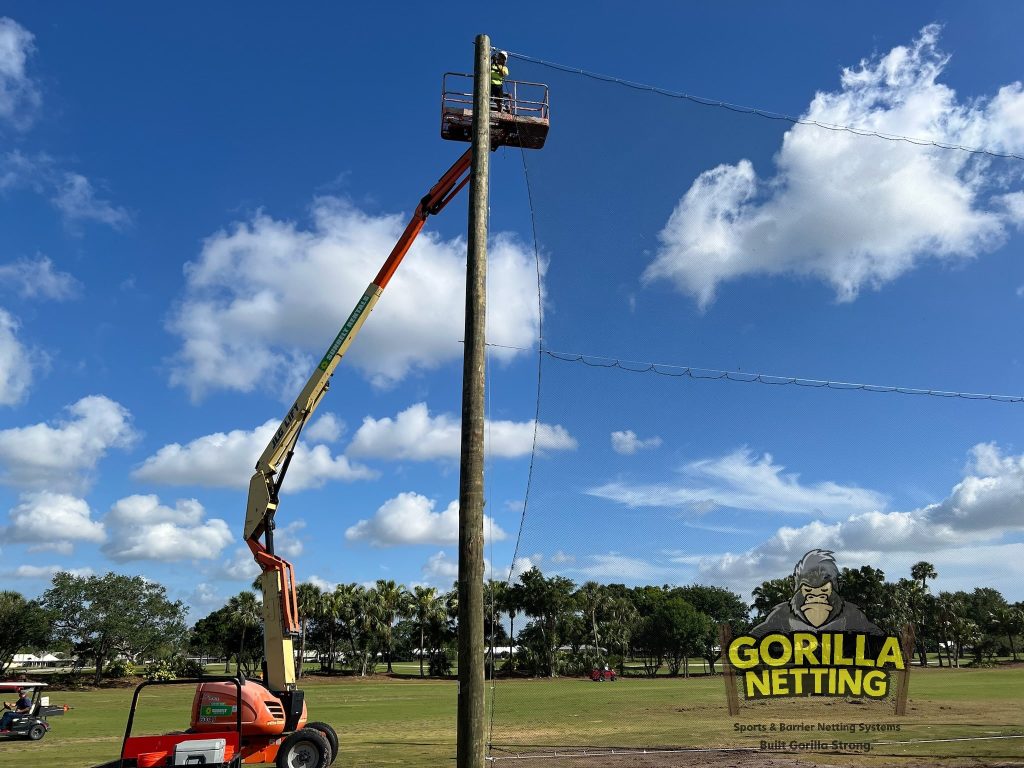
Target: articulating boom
column 280, row 612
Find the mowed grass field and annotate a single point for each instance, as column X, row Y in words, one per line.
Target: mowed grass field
column 410, row 722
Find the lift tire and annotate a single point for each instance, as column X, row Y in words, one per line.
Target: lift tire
column 330, row 734
column 305, row 748
column 36, row 732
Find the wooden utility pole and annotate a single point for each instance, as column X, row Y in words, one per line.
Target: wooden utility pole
column 470, row 727
column 907, row 642
column 728, row 675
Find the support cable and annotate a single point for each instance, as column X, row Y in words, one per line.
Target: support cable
column 713, row 374
column 767, row 114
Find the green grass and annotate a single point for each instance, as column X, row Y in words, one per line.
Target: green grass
column 392, row 722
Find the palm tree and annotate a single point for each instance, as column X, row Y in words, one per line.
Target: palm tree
column 247, row 613
column 591, row 598
column 922, row 571
column 350, row 616
column 308, row 598
column 1010, row 619
column 425, row 606
column 621, row 620
column 390, row 602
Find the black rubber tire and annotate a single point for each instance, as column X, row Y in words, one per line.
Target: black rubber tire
column 305, row 748
column 36, row 732
column 330, row 734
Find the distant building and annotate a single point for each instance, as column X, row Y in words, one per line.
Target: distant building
column 31, row 661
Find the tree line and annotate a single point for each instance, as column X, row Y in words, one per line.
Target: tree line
column 538, row 625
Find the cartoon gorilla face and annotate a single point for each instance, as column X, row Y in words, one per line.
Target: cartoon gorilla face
column 816, row 602
column 816, row 583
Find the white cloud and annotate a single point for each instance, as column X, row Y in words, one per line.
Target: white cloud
column 46, row 572
column 616, row 567
column 227, row 460
column 287, row 543
column 849, row 210
column 742, row 481
column 323, row 584
column 75, row 197
column 240, row 567
column 440, row 568
column 60, row 457
column 267, row 292
column 982, row 508
column 141, row 528
column 326, row 429
column 1013, row 204
column 71, row 193
column 627, row 443
column 409, row 518
column 205, row 598
column 53, row 521
column 37, row 278
column 416, row 435
column 16, row 363
column 561, row 557
column 19, row 95
column 520, row 566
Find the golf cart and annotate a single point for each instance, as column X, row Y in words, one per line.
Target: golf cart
column 33, row 725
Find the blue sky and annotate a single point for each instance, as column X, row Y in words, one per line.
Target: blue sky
column 192, row 199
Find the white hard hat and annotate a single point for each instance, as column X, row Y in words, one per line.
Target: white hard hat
column 503, row 54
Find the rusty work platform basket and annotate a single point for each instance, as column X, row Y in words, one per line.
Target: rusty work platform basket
column 520, row 119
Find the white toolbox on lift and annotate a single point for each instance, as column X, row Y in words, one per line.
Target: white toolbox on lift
column 199, row 752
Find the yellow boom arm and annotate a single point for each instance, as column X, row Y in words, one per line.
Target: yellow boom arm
column 280, row 612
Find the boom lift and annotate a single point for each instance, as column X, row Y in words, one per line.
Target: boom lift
column 275, row 724
column 266, row 721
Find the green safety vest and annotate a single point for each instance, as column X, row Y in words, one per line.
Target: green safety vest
column 498, row 74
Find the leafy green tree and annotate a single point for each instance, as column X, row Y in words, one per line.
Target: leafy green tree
column 864, row 587
column 722, row 606
column 985, row 605
column 769, row 594
column 102, row 616
column 898, row 605
column 23, row 624
column 683, row 628
column 212, row 636
column 649, row 638
column 546, row 600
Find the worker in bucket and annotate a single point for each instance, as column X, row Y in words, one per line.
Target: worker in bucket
column 21, row 707
column 499, row 71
